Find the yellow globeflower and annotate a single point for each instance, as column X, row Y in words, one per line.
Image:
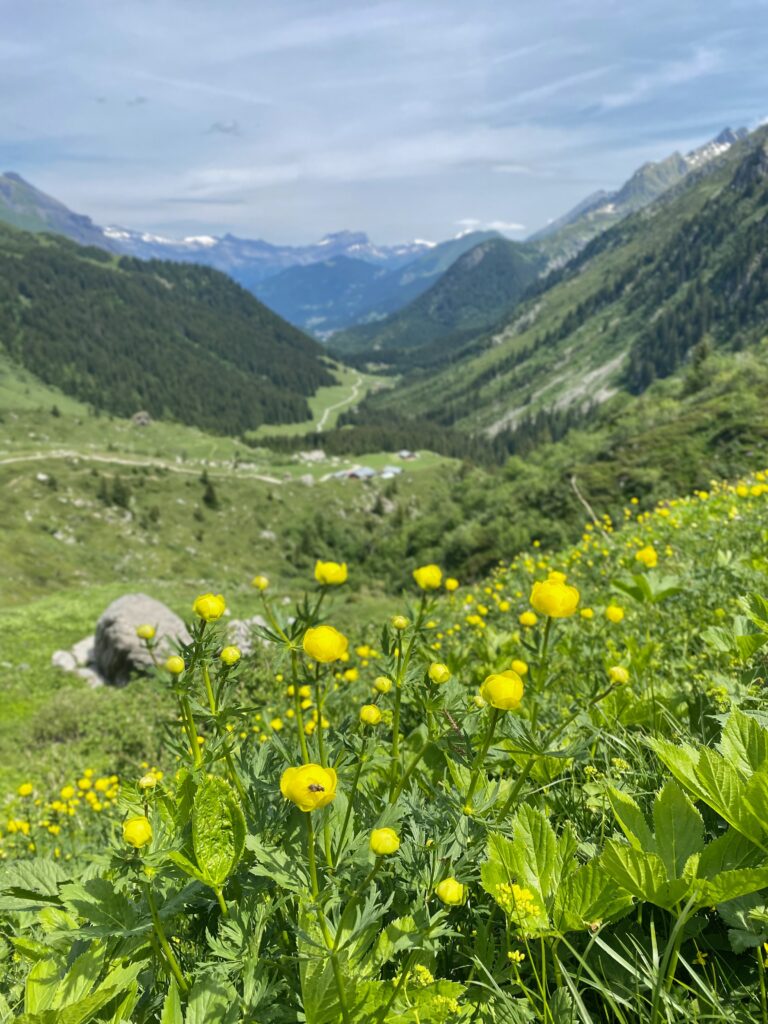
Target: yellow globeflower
column 587, row 613
column 331, row 574
column 310, row 787
column 439, row 673
column 554, row 597
column 230, row 655
column 325, row 644
column 503, row 690
column 648, row 556
column 451, row 892
column 384, row 842
column 209, row 607
column 67, row 792
column 399, row 622
column 145, row 632
column 26, row 789
column 260, row 582
column 614, row 613
column 382, row 684
column 148, row 781
column 521, row 667
column 370, row 714
column 527, row 619
column 137, row 832
column 175, row 665
column 428, row 577
column 451, row 584
column 618, row 674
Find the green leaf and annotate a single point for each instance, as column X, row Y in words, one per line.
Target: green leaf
column 679, row 828
column 586, row 897
column 396, row 937
column 723, row 790
column 642, row 874
column 187, row 866
column 747, row 930
column 211, row 1001
column 80, row 978
column 218, row 831
column 728, row 852
column 744, row 743
column 277, row 864
column 536, row 851
column 729, row 885
column 632, row 820
column 108, row 913
column 81, row 1011
column 172, row 1006
column 41, row 985
column 680, row 759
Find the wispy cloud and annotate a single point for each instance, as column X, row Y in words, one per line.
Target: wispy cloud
column 476, row 224
column 660, row 79
column 224, row 128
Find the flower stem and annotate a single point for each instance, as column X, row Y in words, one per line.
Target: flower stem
column 350, row 803
column 191, row 731
column 329, row 942
column 227, row 754
column 481, row 757
column 170, row 957
column 298, row 709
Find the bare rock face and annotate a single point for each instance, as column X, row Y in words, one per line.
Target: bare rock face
column 118, row 652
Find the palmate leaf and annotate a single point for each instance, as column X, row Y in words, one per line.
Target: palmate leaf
column 212, row 1001
column 744, row 743
column 729, row 885
column 588, row 896
column 679, row 829
column 728, row 852
column 643, row 875
column 107, row 912
column 31, row 884
column 631, row 820
column 218, row 831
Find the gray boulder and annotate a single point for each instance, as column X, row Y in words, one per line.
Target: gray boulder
column 240, row 632
column 118, row 652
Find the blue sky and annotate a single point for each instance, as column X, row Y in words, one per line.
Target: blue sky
column 287, row 119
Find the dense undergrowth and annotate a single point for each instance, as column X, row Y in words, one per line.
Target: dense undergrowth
column 507, row 805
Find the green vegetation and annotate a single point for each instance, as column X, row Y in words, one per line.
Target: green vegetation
column 125, row 335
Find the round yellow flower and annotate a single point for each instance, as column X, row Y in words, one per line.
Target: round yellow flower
column 451, row 584
column 325, row 644
column 175, row 665
column 370, row 714
column 230, row 655
column 428, row 577
column 451, row 892
column 137, row 832
column 384, row 842
column 521, row 667
column 145, row 632
column 331, row 574
column 209, row 607
column 618, row 674
column 648, row 556
column 399, row 622
column 148, row 781
column 439, row 673
column 554, row 597
column 310, row 786
column 382, row 684
column 527, row 619
column 260, row 582
column 503, row 690
column 26, row 789
column 614, row 613
column 587, row 613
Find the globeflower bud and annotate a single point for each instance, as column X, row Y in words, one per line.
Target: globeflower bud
column 428, row 577
column 209, row 607
column 618, row 674
column 137, row 832
column 439, row 673
column 648, row 556
column 553, row 597
column 230, row 655
column 310, row 786
column 614, row 613
column 384, row 842
column 527, row 619
column 175, row 665
column 148, row 781
column 399, row 622
column 25, row 789
column 521, row 667
column 451, row 584
column 145, row 632
column 370, row 714
column 503, row 690
column 451, row 892
column 260, row 582
column 325, row 644
column 382, row 684
column 331, row 574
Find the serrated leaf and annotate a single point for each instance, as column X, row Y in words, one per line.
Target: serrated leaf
column 587, row 896
column 536, row 846
column 107, row 912
column 172, row 1006
column 631, row 820
column 80, row 978
column 679, row 829
column 186, row 865
column 728, row 852
column 40, row 986
column 723, row 790
column 218, row 831
column 211, row 1001
column 729, row 885
column 643, row 875
column 744, row 743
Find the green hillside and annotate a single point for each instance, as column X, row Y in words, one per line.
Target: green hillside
column 473, row 293
column 688, row 270
column 180, row 341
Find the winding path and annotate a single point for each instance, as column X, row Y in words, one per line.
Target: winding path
column 117, row 460
column 338, row 405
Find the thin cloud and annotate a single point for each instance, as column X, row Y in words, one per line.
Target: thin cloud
column 476, row 224
column 703, row 62
column 224, row 128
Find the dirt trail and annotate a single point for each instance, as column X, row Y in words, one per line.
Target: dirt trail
column 338, row 405
column 121, row 461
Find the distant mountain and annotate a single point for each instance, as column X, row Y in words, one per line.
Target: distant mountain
column 474, row 293
column 336, row 293
column 23, row 206
column 183, row 342
column 564, row 237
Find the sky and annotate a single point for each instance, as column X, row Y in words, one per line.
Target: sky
column 289, row 119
